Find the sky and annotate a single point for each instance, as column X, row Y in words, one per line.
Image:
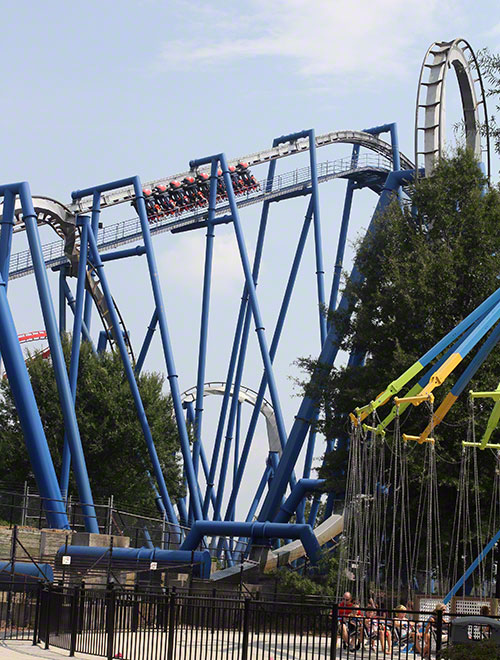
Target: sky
column 101, row 90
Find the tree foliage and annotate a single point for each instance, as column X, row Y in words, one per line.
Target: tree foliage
column 426, row 267
column 114, row 447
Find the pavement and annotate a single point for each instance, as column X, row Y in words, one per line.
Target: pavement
column 11, row 649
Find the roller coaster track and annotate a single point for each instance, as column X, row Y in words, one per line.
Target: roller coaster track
column 430, row 114
column 372, row 168
column 290, row 184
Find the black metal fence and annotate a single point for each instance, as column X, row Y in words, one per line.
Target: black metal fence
column 127, row 624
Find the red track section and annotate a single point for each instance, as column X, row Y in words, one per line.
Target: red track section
column 32, row 336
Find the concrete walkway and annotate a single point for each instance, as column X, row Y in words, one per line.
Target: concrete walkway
column 11, row 649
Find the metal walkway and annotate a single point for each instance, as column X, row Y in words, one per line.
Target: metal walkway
column 289, row 184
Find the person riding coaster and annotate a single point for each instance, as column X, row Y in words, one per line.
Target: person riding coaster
column 203, row 183
column 248, row 180
column 177, row 195
column 221, row 186
column 162, row 197
column 191, row 191
column 153, row 209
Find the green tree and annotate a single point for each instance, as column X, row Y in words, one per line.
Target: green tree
column 114, row 447
column 425, row 268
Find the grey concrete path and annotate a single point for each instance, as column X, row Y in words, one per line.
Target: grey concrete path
column 15, row 650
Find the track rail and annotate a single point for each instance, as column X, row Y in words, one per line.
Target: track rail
column 361, row 138
column 287, row 184
column 430, row 113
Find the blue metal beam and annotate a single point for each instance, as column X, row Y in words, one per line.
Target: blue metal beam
column 76, row 341
column 308, row 407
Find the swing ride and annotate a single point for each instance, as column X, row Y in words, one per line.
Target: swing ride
column 380, row 547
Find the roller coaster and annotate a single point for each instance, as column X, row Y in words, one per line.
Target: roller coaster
column 213, row 191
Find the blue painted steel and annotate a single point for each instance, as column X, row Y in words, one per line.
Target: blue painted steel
column 339, row 259
column 289, row 507
column 143, row 557
column 260, row 490
column 28, row 572
column 236, row 343
column 314, row 510
column 318, row 246
column 308, row 407
column 147, row 538
column 274, row 346
column 205, row 307
column 6, row 230
column 29, row 417
column 472, row 567
column 237, row 442
column 102, row 342
column 162, row 321
column 147, row 343
column 6, row 225
column 136, row 251
column 96, row 214
column 232, row 414
column 72, row 305
column 62, row 300
column 221, row 220
column 253, row 530
column 76, row 341
column 58, row 362
column 129, row 373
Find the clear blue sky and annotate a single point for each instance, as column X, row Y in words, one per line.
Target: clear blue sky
column 96, row 91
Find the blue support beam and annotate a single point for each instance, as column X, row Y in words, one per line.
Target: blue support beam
column 58, row 362
column 205, row 307
column 308, row 408
column 162, row 322
column 76, row 342
column 129, row 373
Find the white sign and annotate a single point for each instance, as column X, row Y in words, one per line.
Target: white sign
column 66, row 560
column 153, row 566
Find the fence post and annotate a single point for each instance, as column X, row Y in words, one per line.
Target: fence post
column 110, row 619
column 81, row 613
column 439, row 633
column 246, row 629
column 47, row 615
column 75, row 599
column 37, row 614
column 333, row 630
column 171, row 626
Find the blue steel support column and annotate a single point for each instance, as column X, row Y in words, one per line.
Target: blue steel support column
column 236, row 342
column 6, row 226
column 205, row 308
column 237, row 441
column 76, row 341
column 59, row 364
column 254, row 303
column 62, row 301
column 232, row 414
column 146, row 344
column 190, row 418
column 308, row 407
column 96, row 213
column 472, row 567
column 318, row 247
column 339, row 259
column 274, row 346
column 162, row 321
column 72, row 305
column 34, row 436
column 97, row 263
